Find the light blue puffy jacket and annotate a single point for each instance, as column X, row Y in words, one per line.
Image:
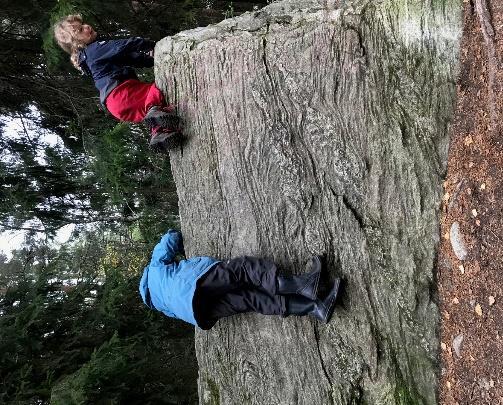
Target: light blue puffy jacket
column 169, row 286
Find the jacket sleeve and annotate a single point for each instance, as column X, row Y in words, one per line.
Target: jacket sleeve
column 133, row 51
column 140, row 59
column 165, row 251
column 136, row 44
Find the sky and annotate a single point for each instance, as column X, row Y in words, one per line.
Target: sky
column 12, row 240
column 13, row 128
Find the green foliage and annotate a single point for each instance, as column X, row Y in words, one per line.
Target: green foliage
column 139, row 183
column 214, row 392
column 106, row 368
column 55, row 191
column 229, row 13
column 54, row 55
column 121, row 183
column 93, row 342
column 115, row 162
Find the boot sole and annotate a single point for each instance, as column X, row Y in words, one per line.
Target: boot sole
column 166, row 141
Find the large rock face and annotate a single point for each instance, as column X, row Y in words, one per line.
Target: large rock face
column 315, row 129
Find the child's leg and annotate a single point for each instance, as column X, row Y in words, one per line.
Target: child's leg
column 249, row 284
column 260, row 273
column 154, row 98
column 136, row 101
column 162, row 121
column 239, row 273
column 127, row 102
column 237, row 302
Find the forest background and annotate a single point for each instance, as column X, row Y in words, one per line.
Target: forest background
column 73, row 328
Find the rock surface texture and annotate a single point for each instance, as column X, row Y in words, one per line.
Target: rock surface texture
column 319, row 128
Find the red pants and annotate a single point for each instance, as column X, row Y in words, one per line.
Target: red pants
column 131, row 100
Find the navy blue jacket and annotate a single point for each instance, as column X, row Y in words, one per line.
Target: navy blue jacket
column 169, row 286
column 112, row 62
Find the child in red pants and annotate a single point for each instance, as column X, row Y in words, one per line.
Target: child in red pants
column 111, row 65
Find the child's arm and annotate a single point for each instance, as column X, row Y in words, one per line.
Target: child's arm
column 132, row 51
column 136, row 44
column 138, row 59
column 165, row 251
column 135, row 52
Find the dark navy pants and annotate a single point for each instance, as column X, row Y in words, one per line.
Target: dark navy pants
column 243, row 284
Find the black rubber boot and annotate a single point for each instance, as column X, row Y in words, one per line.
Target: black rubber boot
column 321, row 309
column 304, row 284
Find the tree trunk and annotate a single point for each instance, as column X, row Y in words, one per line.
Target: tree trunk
column 316, row 129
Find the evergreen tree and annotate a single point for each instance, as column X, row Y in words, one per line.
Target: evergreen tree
column 74, row 330
column 46, row 184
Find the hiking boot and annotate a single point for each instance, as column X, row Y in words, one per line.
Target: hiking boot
column 163, row 116
column 165, row 127
column 162, row 141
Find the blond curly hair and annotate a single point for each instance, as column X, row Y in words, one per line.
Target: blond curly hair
column 64, row 33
